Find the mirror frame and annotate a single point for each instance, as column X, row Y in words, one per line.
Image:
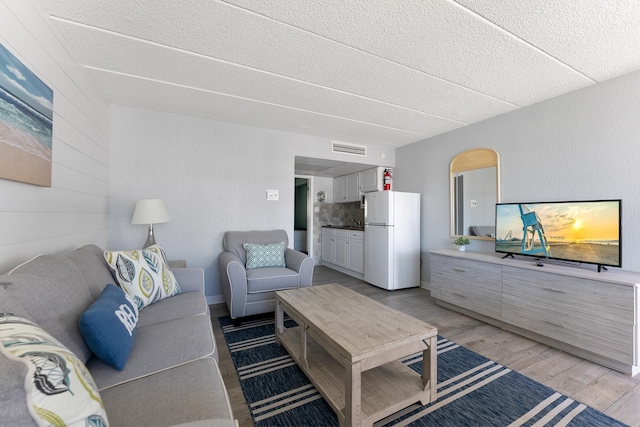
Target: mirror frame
column 475, row 158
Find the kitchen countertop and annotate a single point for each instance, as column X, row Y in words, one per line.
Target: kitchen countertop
column 344, row 227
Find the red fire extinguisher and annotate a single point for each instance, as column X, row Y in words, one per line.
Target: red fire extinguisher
column 387, row 179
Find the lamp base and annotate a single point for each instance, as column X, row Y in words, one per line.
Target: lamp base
column 150, row 239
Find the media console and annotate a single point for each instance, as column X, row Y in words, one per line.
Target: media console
column 578, row 310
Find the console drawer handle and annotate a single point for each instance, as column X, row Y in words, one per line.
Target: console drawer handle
column 555, row 324
column 459, row 295
column 555, row 290
column 459, row 270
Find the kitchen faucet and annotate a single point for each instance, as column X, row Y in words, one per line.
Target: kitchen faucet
column 358, row 223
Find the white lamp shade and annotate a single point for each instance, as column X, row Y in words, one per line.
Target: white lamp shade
column 150, row 211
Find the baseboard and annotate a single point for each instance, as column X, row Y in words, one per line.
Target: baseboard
column 215, row 299
column 425, row 285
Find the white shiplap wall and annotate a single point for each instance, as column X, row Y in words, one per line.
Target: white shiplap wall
column 74, row 210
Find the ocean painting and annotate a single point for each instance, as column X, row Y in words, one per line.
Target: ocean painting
column 26, row 123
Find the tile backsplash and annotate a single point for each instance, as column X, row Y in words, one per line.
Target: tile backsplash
column 333, row 214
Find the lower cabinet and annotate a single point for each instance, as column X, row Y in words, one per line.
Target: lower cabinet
column 473, row 285
column 343, row 250
column 586, row 313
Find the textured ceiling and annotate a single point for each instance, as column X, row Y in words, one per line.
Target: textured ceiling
column 365, row 71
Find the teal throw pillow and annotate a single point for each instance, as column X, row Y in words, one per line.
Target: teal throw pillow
column 261, row 256
column 109, row 326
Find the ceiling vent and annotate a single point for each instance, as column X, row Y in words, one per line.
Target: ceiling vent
column 343, row 147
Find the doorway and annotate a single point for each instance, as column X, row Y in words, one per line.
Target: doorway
column 301, row 215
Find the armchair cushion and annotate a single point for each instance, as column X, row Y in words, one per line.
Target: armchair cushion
column 271, row 279
column 261, row 256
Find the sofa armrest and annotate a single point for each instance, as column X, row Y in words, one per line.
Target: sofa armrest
column 301, row 263
column 189, row 279
column 234, row 283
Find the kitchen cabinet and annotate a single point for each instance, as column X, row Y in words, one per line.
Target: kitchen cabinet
column 346, row 188
column 355, row 251
column 371, row 180
column 592, row 315
column 343, row 250
column 340, row 189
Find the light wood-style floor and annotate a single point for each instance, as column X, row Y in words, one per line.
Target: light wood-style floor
column 616, row 394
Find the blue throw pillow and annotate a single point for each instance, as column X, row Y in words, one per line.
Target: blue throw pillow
column 109, row 326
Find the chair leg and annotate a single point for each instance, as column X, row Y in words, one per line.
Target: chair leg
column 236, row 322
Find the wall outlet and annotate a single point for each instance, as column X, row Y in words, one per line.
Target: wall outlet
column 272, row 195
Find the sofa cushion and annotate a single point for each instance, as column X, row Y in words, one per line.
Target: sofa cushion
column 159, row 347
column 143, row 274
column 56, row 385
column 90, row 261
column 183, row 305
column 261, row 256
column 233, row 240
column 109, row 326
column 52, row 289
column 197, row 386
column 271, row 279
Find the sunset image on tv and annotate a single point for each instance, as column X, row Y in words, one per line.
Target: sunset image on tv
column 586, row 231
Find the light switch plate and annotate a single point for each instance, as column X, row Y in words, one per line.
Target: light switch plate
column 272, row 195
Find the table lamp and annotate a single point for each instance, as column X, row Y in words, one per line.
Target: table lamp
column 150, row 211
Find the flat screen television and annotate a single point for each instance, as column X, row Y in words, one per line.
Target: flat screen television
column 587, row 231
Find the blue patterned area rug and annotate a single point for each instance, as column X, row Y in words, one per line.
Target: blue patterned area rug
column 472, row 390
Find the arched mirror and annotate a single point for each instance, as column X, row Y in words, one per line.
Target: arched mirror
column 475, row 190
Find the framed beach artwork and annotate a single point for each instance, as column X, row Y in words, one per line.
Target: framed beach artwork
column 26, row 123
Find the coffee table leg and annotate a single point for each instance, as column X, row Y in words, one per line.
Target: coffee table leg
column 279, row 321
column 430, row 367
column 353, row 381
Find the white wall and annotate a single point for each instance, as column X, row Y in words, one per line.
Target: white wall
column 74, row 210
column 213, row 176
column 583, row 145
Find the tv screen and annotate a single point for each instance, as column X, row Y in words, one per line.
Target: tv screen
column 579, row 231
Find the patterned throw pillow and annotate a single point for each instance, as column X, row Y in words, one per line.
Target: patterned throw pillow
column 109, row 326
column 59, row 389
column 260, row 256
column 143, row 274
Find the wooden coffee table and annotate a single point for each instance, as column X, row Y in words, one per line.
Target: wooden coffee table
column 352, row 356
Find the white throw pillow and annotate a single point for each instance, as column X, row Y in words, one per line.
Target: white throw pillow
column 143, row 274
column 58, row 387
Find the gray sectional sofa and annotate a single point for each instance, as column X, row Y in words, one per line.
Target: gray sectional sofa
column 171, row 375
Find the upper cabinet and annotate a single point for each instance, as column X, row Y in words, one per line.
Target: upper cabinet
column 372, row 180
column 349, row 188
column 346, row 188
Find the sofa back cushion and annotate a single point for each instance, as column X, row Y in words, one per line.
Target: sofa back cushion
column 90, row 260
column 53, row 291
column 233, row 240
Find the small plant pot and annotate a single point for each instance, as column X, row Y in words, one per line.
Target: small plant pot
column 462, row 248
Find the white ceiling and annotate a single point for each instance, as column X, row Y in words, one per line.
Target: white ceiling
column 366, row 71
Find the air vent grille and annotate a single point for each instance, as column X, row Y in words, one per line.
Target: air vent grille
column 343, row 147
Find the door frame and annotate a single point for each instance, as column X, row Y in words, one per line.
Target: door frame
column 310, row 195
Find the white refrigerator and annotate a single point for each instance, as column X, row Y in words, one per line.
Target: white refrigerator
column 392, row 239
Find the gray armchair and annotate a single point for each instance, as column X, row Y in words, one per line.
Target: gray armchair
column 249, row 292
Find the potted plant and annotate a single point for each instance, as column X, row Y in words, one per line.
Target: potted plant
column 461, row 242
